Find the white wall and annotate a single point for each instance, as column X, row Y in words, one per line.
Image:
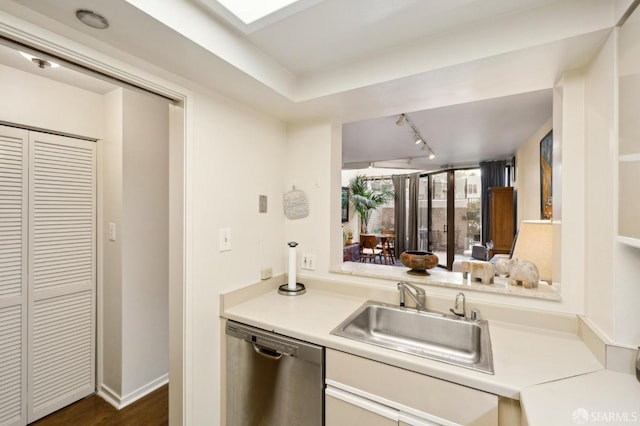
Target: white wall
column 527, row 182
column 144, row 231
column 569, row 191
column 309, row 158
column 135, row 319
column 238, row 154
column 36, row 101
column 110, row 297
column 600, row 184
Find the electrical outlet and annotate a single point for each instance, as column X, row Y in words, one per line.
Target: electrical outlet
column 308, row 261
column 225, row 239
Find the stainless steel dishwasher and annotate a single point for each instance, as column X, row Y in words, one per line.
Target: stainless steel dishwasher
column 272, row 379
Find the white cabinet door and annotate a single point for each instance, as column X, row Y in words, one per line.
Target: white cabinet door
column 62, row 273
column 343, row 408
column 438, row 400
column 13, row 276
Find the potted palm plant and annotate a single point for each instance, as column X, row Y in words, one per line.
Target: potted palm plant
column 365, row 200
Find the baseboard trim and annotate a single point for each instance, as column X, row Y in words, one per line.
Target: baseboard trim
column 106, row 393
column 120, row 402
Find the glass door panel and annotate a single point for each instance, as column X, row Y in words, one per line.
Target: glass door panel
column 468, row 212
column 423, row 214
column 438, row 226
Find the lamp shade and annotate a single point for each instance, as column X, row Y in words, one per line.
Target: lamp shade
column 534, row 243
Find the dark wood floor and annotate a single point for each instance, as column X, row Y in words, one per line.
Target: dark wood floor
column 152, row 410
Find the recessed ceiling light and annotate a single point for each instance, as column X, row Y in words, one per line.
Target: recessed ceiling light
column 41, row 63
column 92, row 19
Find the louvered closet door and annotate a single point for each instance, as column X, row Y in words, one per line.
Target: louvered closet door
column 62, row 272
column 13, row 276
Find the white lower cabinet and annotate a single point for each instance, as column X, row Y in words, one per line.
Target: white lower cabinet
column 364, row 392
column 343, row 408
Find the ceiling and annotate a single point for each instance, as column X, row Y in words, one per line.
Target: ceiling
column 474, row 75
column 459, row 135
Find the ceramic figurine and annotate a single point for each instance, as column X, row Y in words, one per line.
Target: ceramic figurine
column 503, row 267
column 478, row 270
column 524, row 273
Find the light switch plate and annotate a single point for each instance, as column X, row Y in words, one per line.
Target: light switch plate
column 112, row 231
column 225, row 239
column 262, row 204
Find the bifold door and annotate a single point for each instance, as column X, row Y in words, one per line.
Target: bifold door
column 13, row 276
column 48, row 320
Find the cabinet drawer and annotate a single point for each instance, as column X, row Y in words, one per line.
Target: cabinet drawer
column 437, row 397
column 342, row 408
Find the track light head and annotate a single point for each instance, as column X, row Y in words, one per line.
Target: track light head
column 401, row 120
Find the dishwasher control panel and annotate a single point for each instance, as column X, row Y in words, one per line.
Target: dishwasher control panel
column 270, row 341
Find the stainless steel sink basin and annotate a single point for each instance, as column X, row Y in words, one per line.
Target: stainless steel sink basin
column 431, row 335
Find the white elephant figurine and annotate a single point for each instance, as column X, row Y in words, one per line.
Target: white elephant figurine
column 478, row 270
column 524, row 273
column 503, row 266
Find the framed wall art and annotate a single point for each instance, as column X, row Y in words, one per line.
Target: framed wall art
column 546, row 176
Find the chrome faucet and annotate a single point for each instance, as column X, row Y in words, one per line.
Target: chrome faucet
column 419, row 296
column 464, row 306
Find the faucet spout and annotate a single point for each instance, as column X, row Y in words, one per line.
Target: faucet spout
column 416, row 293
column 454, row 311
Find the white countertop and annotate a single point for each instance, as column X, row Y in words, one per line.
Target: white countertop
column 522, row 356
column 602, row 398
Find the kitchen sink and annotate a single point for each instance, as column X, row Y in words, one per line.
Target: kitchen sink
column 433, row 335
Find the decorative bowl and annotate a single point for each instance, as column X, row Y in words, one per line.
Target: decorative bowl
column 418, row 261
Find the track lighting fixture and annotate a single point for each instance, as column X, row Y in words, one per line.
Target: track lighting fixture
column 417, row 138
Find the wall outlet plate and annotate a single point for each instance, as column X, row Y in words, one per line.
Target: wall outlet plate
column 308, row 262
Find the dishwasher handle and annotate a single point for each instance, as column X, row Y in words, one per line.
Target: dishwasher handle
column 266, row 352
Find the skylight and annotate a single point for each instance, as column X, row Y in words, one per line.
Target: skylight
column 249, row 11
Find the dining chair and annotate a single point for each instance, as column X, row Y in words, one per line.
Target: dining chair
column 369, row 249
column 388, row 251
column 387, row 238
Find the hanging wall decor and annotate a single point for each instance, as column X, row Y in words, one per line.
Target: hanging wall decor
column 546, row 175
column 296, row 205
